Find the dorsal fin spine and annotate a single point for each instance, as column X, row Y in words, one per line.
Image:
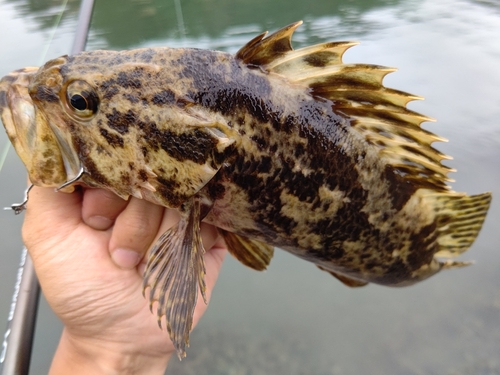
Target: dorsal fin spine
column 262, row 49
column 245, row 52
column 336, row 48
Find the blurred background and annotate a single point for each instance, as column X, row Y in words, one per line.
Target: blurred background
column 294, row 319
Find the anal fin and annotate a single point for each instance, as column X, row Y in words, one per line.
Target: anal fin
column 251, row 253
column 174, row 270
column 346, row 280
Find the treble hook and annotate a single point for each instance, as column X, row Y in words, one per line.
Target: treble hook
column 20, row 207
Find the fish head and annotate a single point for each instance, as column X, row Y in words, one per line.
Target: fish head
column 122, row 118
column 30, row 132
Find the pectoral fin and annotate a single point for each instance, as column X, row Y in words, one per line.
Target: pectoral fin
column 346, row 280
column 173, row 273
column 251, row 253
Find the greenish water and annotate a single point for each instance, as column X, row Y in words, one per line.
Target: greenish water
column 294, row 319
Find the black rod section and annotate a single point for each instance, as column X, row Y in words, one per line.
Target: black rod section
column 83, row 25
column 18, row 338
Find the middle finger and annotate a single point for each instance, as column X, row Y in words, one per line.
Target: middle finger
column 134, row 231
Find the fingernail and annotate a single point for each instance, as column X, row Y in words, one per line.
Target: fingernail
column 125, row 258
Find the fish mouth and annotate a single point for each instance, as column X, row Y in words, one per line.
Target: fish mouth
column 49, row 159
column 17, row 110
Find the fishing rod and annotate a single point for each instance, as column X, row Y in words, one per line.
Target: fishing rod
column 17, row 342
column 18, row 338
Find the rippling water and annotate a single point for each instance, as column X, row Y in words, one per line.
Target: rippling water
column 294, row 319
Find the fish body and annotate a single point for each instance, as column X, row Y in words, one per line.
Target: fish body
column 276, row 147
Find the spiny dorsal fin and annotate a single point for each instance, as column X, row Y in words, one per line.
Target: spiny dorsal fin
column 378, row 113
column 261, row 50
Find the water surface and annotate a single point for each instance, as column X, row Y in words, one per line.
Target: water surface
column 294, row 319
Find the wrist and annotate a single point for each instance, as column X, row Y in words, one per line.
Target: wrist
column 83, row 357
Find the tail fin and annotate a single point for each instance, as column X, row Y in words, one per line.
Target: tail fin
column 459, row 219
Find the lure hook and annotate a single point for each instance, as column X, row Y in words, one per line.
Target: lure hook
column 20, row 207
column 76, row 178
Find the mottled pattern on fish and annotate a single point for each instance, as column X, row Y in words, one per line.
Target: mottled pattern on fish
column 274, row 146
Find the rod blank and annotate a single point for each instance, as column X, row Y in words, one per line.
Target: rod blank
column 18, row 339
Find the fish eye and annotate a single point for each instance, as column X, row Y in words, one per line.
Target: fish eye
column 78, row 102
column 82, row 99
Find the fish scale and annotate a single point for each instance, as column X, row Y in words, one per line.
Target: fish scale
column 276, row 147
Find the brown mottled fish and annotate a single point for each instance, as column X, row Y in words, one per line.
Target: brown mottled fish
column 276, row 147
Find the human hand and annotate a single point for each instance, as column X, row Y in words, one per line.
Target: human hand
column 88, row 249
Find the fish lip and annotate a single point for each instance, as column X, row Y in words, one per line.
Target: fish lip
column 19, row 114
column 18, row 111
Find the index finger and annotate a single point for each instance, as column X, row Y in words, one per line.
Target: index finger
column 48, row 211
column 101, row 207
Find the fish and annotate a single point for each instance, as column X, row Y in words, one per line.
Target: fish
column 275, row 146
